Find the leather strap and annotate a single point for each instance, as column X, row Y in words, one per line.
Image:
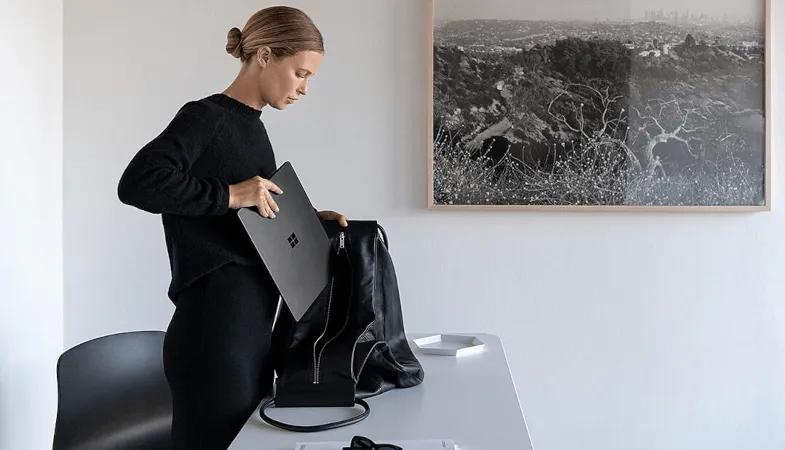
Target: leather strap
column 384, row 235
column 314, row 428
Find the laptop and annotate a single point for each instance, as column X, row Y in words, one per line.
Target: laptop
column 294, row 245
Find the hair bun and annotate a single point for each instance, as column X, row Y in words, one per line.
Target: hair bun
column 233, row 44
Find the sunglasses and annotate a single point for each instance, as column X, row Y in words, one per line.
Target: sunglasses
column 363, row 443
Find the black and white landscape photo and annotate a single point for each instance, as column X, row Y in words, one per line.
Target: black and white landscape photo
column 607, row 103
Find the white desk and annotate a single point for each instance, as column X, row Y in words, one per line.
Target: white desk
column 470, row 399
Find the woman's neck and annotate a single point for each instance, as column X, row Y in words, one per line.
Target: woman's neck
column 240, row 90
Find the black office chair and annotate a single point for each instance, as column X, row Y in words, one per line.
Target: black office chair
column 113, row 394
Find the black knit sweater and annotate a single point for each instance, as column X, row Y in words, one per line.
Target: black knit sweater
column 184, row 174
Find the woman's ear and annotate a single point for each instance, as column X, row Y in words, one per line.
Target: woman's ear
column 263, row 56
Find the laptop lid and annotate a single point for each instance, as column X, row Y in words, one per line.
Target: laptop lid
column 294, row 245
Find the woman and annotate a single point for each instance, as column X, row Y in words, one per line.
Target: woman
column 215, row 157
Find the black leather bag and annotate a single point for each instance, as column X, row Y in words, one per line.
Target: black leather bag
column 351, row 344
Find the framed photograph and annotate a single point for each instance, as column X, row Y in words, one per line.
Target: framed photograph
column 606, row 105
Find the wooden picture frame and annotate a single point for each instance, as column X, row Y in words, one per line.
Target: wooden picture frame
column 481, row 74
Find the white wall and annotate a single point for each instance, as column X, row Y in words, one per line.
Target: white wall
column 672, row 338
column 31, row 208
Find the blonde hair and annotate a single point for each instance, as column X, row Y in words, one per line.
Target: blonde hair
column 284, row 29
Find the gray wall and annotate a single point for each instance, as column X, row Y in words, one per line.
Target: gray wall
column 31, row 212
column 624, row 331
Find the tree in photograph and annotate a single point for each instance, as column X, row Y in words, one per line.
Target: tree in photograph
column 665, row 121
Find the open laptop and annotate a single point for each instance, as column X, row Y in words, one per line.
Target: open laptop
column 294, row 245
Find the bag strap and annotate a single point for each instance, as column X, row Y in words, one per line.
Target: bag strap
column 384, row 235
column 313, row 428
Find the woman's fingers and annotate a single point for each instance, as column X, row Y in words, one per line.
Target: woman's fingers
column 270, row 202
column 273, row 187
column 262, row 206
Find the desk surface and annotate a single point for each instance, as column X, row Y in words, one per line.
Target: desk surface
column 470, row 399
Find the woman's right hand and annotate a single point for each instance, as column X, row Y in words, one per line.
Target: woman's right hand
column 254, row 192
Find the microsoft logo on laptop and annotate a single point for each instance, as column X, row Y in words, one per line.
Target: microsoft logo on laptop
column 293, row 241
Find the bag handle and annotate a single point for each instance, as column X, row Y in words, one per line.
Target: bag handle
column 384, row 235
column 314, row 428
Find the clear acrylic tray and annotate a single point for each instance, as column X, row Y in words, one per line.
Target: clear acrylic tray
column 449, row 344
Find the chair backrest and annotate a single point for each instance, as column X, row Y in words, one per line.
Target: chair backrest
column 109, row 387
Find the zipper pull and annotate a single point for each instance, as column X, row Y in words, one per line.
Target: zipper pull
column 341, row 242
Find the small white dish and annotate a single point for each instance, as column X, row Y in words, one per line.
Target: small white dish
column 449, row 344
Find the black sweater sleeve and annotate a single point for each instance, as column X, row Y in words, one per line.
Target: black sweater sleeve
column 157, row 179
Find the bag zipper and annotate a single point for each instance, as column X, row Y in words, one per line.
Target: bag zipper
column 326, row 324
column 317, row 360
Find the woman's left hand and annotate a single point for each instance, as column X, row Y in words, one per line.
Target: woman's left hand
column 332, row 215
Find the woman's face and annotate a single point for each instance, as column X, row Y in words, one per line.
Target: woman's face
column 283, row 81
